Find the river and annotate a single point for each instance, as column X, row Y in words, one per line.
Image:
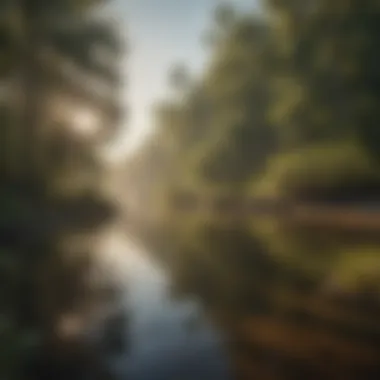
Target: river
column 164, row 339
column 265, row 300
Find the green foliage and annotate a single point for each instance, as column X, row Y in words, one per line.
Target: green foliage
column 319, row 169
column 49, row 36
column 358, row 269
column 39, row 154
column 240, row 138
column 287, row 108
column 351, row 265
column 287, row 105
column 16, row 348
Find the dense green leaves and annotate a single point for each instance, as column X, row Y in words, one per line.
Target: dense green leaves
column 286, row 109
column 320, row 171
column 299, row 80
column 49, row 52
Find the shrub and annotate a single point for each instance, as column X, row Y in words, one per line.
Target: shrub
column 318, row 170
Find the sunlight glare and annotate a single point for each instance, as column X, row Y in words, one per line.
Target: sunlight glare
column 86, row 121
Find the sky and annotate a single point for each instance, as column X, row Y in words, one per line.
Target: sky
column 160, row 33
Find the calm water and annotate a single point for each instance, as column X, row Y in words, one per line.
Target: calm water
column 264, row 301
column 165, row 339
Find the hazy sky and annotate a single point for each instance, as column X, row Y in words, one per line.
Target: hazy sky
column 160, row 32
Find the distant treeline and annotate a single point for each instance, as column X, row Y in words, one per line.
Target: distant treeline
column 287, row 107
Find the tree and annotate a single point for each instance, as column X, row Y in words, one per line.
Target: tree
column 55, row 55
column 325, row 82
column 52, row 37
column 329, row 91
column 240, row 137
column 224, row 18
column 179, row 78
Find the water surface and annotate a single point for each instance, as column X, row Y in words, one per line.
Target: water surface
column 166, row 339
column 266, row 300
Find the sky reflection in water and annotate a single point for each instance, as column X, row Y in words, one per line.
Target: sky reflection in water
column 162, row 344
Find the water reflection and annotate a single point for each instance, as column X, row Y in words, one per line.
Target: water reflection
column 266, row 300
column 167, row 339
column 292, row 302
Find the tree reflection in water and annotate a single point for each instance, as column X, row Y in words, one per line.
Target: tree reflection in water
column 294, row 303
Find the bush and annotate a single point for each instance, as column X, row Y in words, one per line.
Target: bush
column 358, row 268
column 318, row 171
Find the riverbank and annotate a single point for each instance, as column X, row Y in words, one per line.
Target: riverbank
column 357, row 216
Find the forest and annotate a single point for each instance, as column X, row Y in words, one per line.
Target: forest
column 285, row 109
column 284, row 114
column 57, row 58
